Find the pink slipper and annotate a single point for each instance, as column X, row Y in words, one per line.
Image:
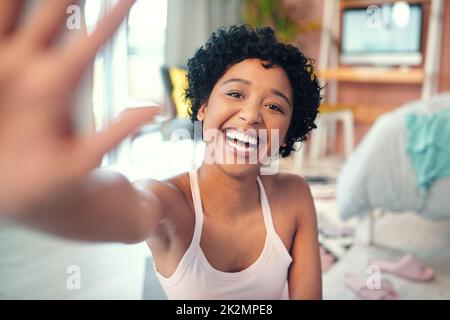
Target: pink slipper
column 359, row 286
column 408, row 267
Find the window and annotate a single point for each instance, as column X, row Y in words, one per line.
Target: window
column 129, row 67
column 146, row 39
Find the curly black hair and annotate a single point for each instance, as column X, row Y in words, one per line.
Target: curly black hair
column 228, row 47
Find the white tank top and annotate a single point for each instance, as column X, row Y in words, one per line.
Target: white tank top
column 195, row 278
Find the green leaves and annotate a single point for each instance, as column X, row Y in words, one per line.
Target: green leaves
column 271, row 13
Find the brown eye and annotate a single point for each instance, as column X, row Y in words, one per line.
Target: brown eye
column 274, row 107
column 235, row 94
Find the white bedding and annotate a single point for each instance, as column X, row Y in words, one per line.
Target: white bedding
column 379, row 173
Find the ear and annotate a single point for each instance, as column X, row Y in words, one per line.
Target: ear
column 201, row 114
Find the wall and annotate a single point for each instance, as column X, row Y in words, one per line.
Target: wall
column 384, row 95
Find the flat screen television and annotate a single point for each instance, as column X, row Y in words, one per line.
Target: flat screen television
column 386, row 35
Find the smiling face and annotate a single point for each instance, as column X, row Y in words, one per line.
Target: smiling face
column 247, row 102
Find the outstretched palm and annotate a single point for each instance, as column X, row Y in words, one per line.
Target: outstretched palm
column 39, row 150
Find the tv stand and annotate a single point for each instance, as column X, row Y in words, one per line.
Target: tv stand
column 332, row 73
column 374, row 74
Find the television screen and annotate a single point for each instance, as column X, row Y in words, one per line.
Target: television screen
column 382, row 35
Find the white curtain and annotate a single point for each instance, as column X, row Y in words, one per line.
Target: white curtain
column 115, row 68
column 191, row 22
column 112, row 92
column 84, row 116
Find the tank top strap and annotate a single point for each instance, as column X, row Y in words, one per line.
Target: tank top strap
column 267, row 214
column 198, row 208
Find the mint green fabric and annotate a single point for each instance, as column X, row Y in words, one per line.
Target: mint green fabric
column 428, row 146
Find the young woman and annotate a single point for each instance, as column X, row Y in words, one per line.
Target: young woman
column 223, row 231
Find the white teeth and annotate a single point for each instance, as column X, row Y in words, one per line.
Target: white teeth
column 231, row 134
column 241, row 148
column 252, row 140
column 241, row 136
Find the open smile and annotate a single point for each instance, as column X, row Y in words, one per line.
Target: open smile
column 243, row 143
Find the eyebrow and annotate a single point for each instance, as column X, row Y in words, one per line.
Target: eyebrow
column 280, row 94
column 246, row 82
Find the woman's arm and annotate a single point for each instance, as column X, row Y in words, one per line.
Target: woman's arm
column 104, row 206
column 305, row 275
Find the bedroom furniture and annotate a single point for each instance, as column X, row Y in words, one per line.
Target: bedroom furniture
column 332, row 73
column 329, row 52
column 379, row 176
column 327, row 120
column 325, row 133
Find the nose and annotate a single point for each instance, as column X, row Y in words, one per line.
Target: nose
column 251, row 114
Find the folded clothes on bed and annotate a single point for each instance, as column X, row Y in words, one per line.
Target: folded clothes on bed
column 428, row 146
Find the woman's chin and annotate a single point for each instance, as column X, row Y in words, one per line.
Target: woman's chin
column 240, row 170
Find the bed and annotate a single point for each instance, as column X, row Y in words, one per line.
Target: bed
column 379, row 174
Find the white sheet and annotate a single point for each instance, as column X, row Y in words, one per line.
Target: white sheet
column 379, row 173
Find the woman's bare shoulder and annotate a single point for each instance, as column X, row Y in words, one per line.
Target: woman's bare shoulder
column 292, row 191
column 174, row 195
column 173, row 192
column 287, row 185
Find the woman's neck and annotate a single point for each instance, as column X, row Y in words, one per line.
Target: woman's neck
column 226, row 196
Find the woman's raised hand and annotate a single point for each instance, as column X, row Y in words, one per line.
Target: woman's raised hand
column 39, row 148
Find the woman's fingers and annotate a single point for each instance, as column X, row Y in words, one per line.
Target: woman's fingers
column 82, row 52
column 125, row 124
column 9, row 15
column 49, row 20
column 91, row 150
